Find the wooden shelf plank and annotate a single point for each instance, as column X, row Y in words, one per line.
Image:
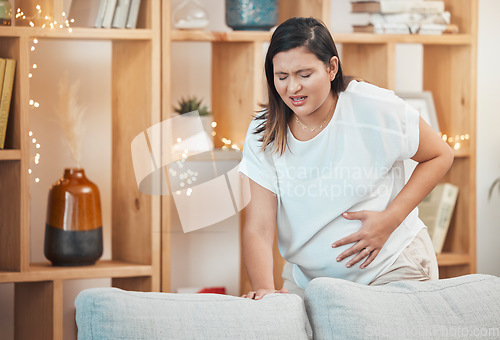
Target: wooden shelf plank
column 462, row 152
column 10, row 155
column 341, row 38
column 105, row 268
column 370, row 38
column 78, row 33
column 452, row 259
column 235, row 36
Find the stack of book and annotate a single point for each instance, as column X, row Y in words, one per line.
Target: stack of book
column 7, row 72
column 105, row 13
column 403, row 17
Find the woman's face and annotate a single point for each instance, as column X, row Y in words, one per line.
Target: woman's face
column 303, row 81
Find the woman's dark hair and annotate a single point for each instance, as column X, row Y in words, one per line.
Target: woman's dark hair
column 295, row 32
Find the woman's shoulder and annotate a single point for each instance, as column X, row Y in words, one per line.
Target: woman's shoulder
column 362, row 89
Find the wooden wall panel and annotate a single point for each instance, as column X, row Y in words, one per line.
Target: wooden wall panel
column 131, row 106
column 38, row 310
column 236, row 88
column 374, row 63
column 319, row 9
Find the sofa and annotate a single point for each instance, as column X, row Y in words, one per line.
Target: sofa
column 464, row 307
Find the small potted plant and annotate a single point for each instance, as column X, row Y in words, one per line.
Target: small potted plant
column 193, row 103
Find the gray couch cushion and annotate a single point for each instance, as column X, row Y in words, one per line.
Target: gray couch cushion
column 111, row 313
column 464, row 307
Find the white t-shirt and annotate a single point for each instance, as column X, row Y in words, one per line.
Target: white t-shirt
column 355, row 163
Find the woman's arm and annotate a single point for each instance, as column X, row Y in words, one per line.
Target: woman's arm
column 434, row 157
column 258, row 238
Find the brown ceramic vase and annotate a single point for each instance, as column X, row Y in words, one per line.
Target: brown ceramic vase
column 73, row 230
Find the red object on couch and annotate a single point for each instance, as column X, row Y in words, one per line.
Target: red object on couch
column 213, row 290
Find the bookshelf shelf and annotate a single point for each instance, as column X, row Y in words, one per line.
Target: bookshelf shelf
column 452, row 259
column 340, row 38
column 78, row 33
column 370, row 38
column 135, row 96
column 102, row 269
column 462, row 152
column 210, row 36
column 10, row 155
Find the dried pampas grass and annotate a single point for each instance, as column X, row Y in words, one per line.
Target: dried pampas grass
column 70, row 114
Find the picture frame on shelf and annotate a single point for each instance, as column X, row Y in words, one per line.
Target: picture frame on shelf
column 423, row 102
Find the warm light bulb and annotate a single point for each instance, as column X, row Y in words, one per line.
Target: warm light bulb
column 214, row 124
column 29, row 171
column 30, row 133
column 37, row 180
column 37, row 146
column 35, row 41
column 35, row 65
column 456, row 146
column 179, row 140
column 213, row 133
column 31, row 101
column 30, row 75
column 33, row 140
column 32, row 48
column 36, row 104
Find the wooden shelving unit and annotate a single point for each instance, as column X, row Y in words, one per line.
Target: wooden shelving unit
column 135, row 98
column 371, row 57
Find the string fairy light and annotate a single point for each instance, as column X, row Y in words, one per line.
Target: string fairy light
column 46, row 21
column 457, row 141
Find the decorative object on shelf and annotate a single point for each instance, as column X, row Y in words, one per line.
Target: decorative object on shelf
column 259, row 15
column 424, row 104
column 7, row 76
column 73, row 231
column 190, row 15
column 193, row 103
column 403, row 17
column 496, row 183
column 436, row 211
column 5, row 13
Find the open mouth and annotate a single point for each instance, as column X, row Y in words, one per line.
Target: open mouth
column 298, row 99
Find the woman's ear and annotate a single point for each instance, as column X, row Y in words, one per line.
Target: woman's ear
column 334, row 67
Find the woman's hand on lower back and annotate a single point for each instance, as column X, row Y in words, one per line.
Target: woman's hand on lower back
column 260, row 293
